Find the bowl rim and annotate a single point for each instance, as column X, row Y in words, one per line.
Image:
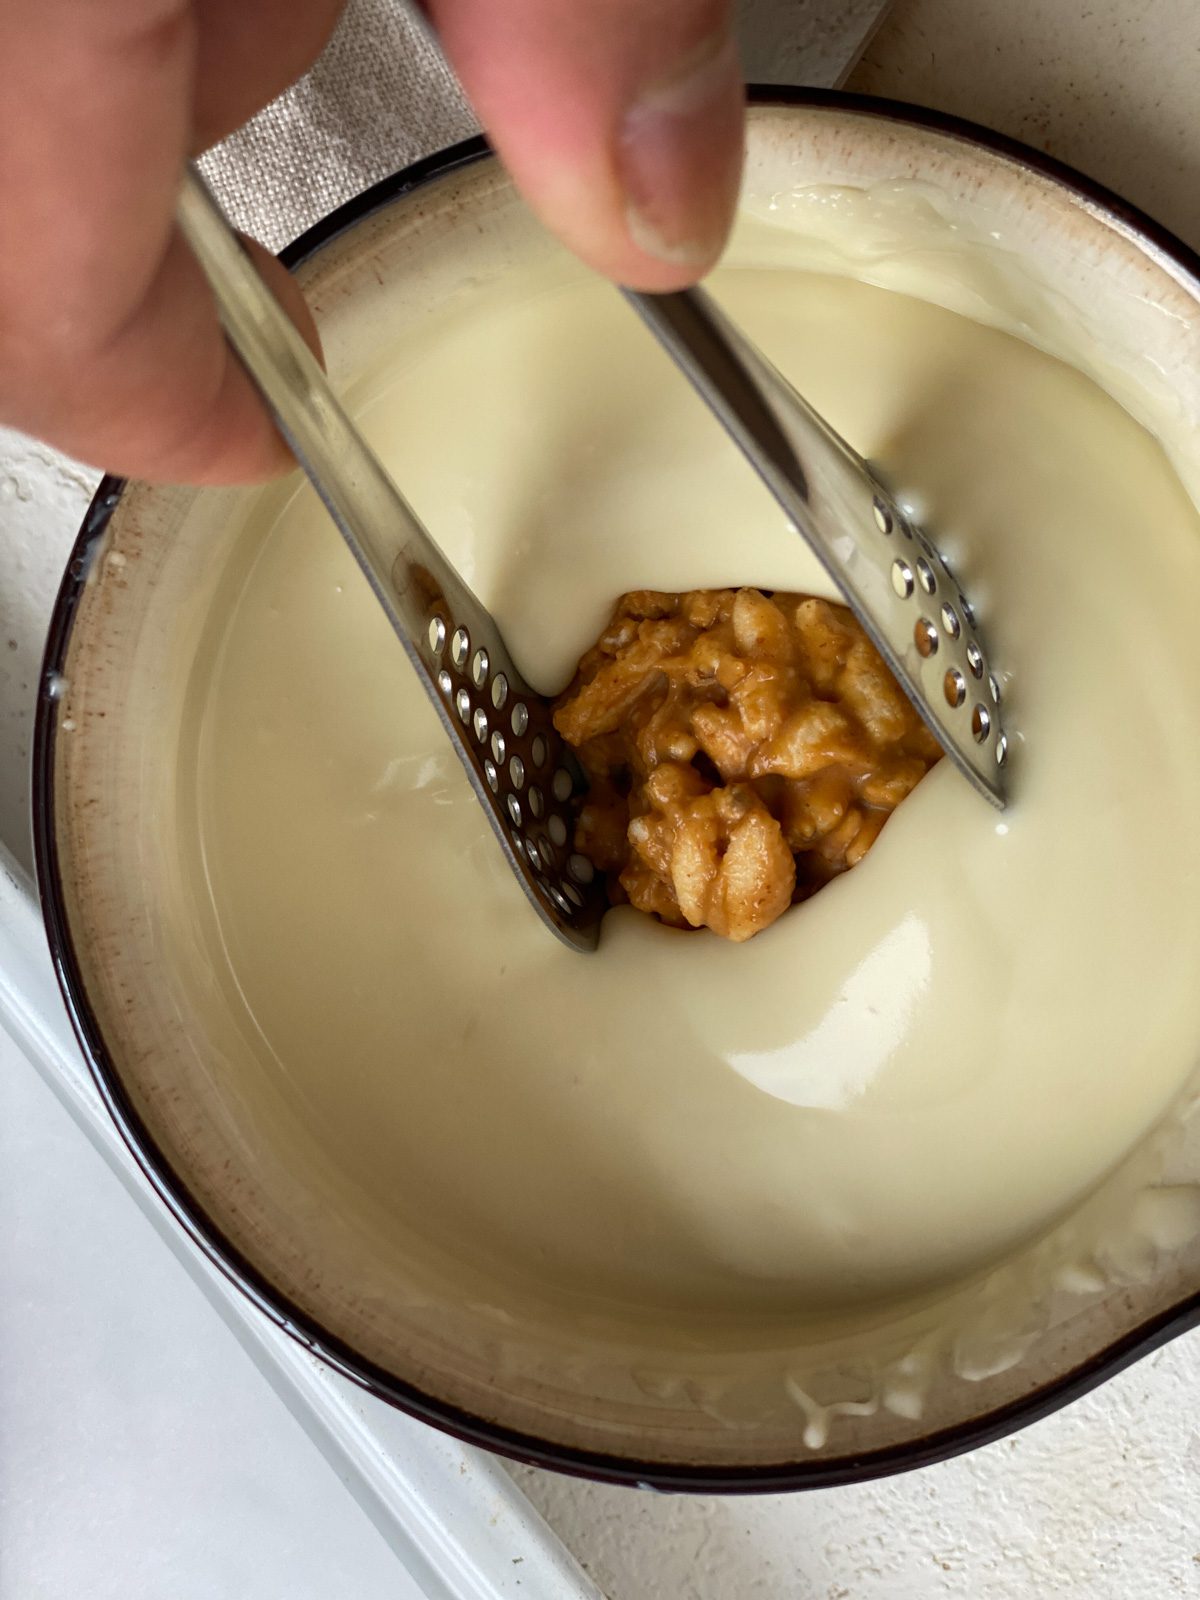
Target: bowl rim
column 170, row 1187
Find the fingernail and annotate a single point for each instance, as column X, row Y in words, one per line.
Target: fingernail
column 679, row 153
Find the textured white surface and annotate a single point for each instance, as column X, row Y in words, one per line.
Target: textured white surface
column 1109, row 87
column 42, row 500
column 1100, row 1502
column 813, row 45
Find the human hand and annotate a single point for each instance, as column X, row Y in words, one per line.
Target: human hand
column 619, row 119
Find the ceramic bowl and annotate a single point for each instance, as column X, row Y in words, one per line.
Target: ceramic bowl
column 1009, row 236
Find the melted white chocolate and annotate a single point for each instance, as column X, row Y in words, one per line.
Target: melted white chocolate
column 906, row 1076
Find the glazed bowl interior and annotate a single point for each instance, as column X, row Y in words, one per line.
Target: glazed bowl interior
column 725, row 1399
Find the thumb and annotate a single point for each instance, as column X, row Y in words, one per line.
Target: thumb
column 620, row 120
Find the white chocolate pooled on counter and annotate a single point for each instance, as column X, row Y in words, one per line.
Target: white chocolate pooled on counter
column 909, row 1074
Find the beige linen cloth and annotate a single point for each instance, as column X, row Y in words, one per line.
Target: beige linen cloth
column 382, row 96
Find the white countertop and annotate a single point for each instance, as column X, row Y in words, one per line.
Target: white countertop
column 175, row 1472
column 1110, row 86
column 1099, row 1502
column 107, row 1487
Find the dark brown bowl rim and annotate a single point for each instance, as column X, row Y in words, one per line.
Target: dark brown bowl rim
column 668, row 1477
